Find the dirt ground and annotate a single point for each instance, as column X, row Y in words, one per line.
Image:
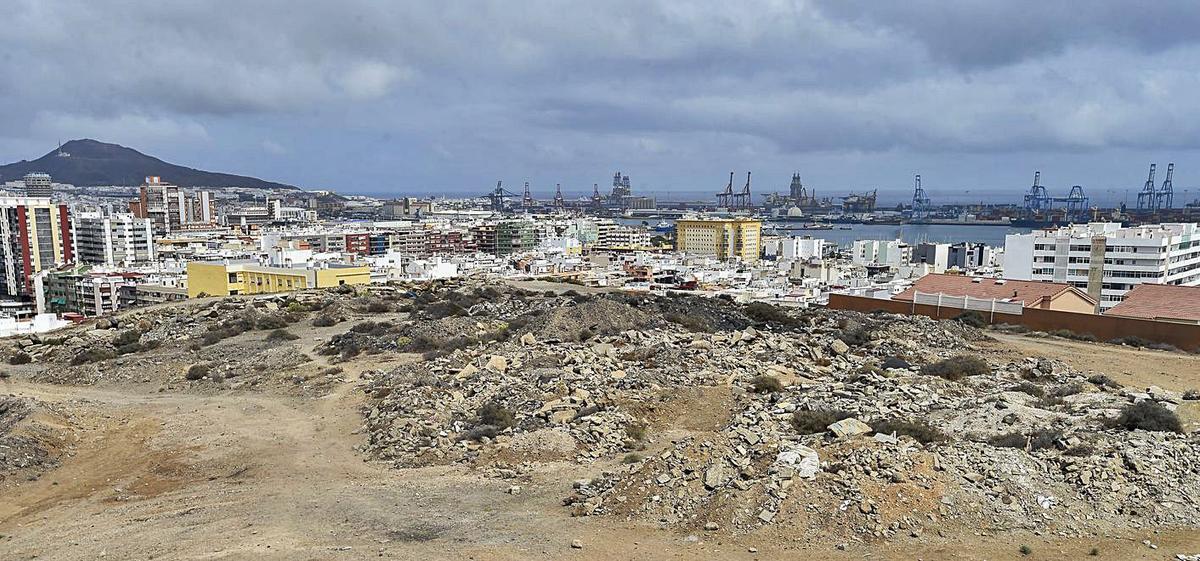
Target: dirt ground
column 256, row 475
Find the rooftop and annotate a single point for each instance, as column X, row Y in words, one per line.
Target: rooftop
column 1160, row 302
column 1030, row 293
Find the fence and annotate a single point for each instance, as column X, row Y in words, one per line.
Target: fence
column 1104, row 328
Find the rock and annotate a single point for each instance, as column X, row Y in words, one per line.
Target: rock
column 617, row 374
column 576, row 544
column 802, row 459
column 849, row 427
column 528, row 339
column 497, row 363
column 711, row 526
column 839, row 347
column 715, row 476
column 514, row 490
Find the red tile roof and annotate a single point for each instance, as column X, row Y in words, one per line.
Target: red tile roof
column 1160, row 301
column 1031, row 293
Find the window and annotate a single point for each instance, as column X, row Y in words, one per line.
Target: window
column 232, row 277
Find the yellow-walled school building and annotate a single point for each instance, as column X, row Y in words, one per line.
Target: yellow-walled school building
column 230, row 279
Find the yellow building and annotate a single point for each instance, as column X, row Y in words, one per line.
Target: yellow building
column 228, row 279
column 727, row 238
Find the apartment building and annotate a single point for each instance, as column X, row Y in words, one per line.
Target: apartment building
column 35, row 235
column 731, row 238
column 890, row 253
column 171, row 209
column 115, row 240
column 1106, row 259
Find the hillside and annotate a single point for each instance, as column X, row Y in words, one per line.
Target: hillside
column 94, row 163
column 489, row 422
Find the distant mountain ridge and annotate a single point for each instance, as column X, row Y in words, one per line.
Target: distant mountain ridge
column 91, row 163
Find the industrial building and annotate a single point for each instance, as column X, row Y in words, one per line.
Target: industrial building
column 1106, row 259
column 730, row 238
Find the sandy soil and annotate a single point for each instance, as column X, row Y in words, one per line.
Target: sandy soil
column 158, row 475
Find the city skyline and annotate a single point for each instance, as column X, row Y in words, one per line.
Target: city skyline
column 407, row 99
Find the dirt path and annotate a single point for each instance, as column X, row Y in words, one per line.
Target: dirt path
column 1127, row 365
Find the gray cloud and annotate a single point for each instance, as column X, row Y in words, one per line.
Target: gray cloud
column 444, row 95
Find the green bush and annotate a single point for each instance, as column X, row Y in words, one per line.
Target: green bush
column 325, row 320
column 274, row 321
column 1030, row 388
column 1039, row 440
column 1149, row 415
column 817, row 420
column 957, row 368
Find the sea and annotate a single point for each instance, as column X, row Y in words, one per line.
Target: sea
column 847, row 234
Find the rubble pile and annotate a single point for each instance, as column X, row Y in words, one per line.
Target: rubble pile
column 22, row 453
column 1030, row 445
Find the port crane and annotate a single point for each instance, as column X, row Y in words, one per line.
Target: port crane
column 920, row 201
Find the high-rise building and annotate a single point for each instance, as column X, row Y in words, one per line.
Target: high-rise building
column 38, row 185
column 730, row 238
column 116, row 240
column 35, row 234
column 1106, row 259
column 170, row 209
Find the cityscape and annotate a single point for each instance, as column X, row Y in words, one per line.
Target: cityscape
column 631, row 280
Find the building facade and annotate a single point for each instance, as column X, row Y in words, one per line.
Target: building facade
column 731, row 238
column 35, row 235
column 1106, row 259
column 115, row 240
column 231, row 279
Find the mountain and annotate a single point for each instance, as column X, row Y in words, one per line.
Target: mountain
column 90, row 162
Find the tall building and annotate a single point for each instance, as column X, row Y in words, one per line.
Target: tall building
column 1106, row 259
column 170, row 209
column 38, row 185
column 115, row 240
column 35, row 234
column 729, row 238
column 892, row 253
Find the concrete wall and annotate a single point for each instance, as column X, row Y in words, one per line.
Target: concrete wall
column 1104, row 328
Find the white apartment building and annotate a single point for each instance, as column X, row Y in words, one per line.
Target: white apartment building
column 1105, row 259
column 115, row 240
column 893, row 253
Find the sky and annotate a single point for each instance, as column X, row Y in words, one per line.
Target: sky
column 448, row 97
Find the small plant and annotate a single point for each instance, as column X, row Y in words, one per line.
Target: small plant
column 816, row 420
column 1094, row 552
column 378, row 307
column 765, row 384
column 636, row 431
column 20, row 358
column 1191, row 395
column 324, row 320
column 763, row 312
column 92, row 355
column 1026, row 550
column 920, row 431
column 856, row 336
column 1131, row 341
column 1080, row 450
column 972, row 318
column 267, row 323
column 957, row 368
column 689, row 322
column 281, row 335
column 895, row 362
column 1148, row 415
column 331, row 371
column 631, row 458
column 197, row 371
column 1103, row 381
column 494, row 414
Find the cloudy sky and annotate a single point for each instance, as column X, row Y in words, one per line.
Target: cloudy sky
column 415, row 97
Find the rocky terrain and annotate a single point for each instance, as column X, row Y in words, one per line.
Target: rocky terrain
column 686, row 416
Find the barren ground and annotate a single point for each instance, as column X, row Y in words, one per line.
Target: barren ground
column 259, row 475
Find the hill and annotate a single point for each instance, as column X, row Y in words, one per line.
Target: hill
column 90, row 162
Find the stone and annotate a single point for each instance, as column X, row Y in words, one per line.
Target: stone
column 839, row 347
column 802, row 459
column 576, row 544
column 528, row 339
column 617, row 374
column 711, row 526
column 497, row 363
column 849, row 427
column 715, row 476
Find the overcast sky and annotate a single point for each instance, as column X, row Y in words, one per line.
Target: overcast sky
column 411, row 97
